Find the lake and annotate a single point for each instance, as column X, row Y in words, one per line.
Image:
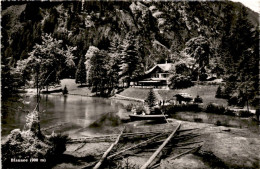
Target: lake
column 76, row 111
column 217, row 119
column 92, row 115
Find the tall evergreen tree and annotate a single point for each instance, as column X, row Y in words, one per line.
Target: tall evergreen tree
column 241, row 46
column 218, row 92
column 98, row 74
column 81, row 72
column 129, row 58
column 200, row 49
column 151, row 98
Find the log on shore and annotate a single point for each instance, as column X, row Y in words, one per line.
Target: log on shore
column 186, row 152
column 188, row 143
column 151, row 159
column 179, row 155
column 112, row 137
column 141, row 144
column 108, row 151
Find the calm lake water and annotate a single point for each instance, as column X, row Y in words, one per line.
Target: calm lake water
column 77, row 111
column 223, row 120
column 81, row 112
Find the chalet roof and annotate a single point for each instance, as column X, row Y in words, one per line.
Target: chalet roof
column 184, row 95
column 165, row 67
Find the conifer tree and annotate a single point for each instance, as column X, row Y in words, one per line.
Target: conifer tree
column 200, row 49
column 151, row 98
column 65, row 90
column 130, row 61
column 218, row 92
column 81, row 72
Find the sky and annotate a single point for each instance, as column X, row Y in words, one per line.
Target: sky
column 252, row 4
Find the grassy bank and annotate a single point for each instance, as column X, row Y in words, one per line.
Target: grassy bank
column 206, row 92
column 135, row 93
column 75, row 89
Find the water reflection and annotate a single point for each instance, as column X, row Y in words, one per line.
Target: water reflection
column 222, row 120
column 77, row 110
column 81, row 112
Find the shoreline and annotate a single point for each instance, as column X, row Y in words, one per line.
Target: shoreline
column 218, row 140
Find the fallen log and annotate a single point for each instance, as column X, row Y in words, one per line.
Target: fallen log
column 186, row 152
column 187, row 137
column 146, row 165
column 143, row 143
column 189, row 143
column 80, row 146
column 111, row 138
column 179, row 155
column 108, row 151
column 184, row 147
column 184, row 130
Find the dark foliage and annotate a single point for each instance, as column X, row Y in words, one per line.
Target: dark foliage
column 58, row 144
column 81, row 72
column 129, row 107
column 25, row 145
column 180, row 82
column 65, row 90
column 211, row 108
column 222, row 37
column 171, row 109
column 218, row 92
column 245, row 114
column 198, row 99
column 203, row 77
column 151, row 98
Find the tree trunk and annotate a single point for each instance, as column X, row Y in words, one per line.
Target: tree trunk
column 151, row 159
column 98, row 165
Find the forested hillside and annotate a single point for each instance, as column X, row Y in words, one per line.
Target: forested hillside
column 130, row 37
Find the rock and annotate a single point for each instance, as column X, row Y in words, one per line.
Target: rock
column 234, row 151
column 184, row 162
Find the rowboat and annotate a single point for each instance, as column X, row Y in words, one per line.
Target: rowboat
column 158, row 117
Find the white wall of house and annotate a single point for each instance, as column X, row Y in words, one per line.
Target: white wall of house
column 161, row 75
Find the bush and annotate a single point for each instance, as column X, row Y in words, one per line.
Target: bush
column 218, row 123
column 212, row 108
column 138, row 109
column 26, row 145
column 198, row 120
column 58, row 143
column 180, row 82
column 170, row 109
column 230, row 112
column 233, row 101
column 203, row 77
column 244, row 113
column 198, row 99
column 129, row 107
column 218, row 92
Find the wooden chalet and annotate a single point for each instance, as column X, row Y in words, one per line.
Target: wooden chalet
column 156, row 77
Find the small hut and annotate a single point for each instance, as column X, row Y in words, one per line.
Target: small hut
column 183, row 97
